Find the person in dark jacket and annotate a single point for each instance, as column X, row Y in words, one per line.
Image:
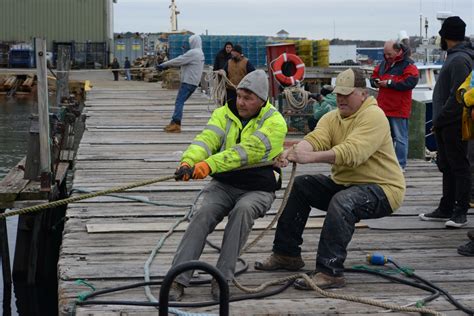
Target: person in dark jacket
column 447, row 111
column 396, row 76
column 326, row 102
column 223, row 56
column 115, row 65
column 127, row 67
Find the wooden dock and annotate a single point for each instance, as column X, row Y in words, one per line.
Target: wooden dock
column 107, row 240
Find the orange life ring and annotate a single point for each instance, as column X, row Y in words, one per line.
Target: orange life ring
column 295, row 60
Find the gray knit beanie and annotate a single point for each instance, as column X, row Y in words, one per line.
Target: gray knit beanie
column 256, row 82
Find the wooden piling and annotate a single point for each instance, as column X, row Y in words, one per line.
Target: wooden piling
column 6, row 269
column 63, row 66
column 43, row 113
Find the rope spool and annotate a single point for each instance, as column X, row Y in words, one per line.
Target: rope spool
column 292, row 59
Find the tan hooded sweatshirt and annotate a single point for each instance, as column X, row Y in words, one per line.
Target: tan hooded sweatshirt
column 364, row 150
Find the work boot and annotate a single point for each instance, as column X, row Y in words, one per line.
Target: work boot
column 276, row 261
column 435, row 216
column 467, row 249
column 322, row 280
column 176, row 292
column 173, row 128
column 458, row 219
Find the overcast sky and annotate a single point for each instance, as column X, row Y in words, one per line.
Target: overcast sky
column 315, row 19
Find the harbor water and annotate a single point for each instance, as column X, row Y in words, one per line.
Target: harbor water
column 14, row 126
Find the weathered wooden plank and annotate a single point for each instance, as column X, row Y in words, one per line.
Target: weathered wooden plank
column 163, row 227
column 32, row 192
column 61, row 172
column 12, row 184
column 402, row 223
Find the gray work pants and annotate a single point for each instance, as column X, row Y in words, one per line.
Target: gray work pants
column 242, row 208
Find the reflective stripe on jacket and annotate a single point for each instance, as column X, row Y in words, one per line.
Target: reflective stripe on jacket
column 225, row 144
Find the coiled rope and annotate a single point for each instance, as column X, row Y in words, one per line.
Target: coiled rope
column 218, row 82
column 300, row 101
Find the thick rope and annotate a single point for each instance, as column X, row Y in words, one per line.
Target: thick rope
column 40, row 207
column 299, row 102
column 277, row 216
column 218, row 83
column 154, row 252
column 328, row 294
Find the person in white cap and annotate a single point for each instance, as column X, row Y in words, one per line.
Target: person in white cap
column 250, row 133
column 365, row 182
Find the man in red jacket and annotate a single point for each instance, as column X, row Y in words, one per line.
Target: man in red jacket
column 396, row 77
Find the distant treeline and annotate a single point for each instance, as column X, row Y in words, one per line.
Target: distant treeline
column 358, row 43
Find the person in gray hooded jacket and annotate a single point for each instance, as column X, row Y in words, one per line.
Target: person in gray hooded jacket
column 192, row 64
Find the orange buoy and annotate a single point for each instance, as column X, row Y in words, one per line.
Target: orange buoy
column 288, row 58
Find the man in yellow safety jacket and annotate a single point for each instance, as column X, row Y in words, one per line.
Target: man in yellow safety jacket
column 250, row 132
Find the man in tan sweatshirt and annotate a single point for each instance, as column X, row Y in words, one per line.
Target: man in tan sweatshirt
column 366, row 182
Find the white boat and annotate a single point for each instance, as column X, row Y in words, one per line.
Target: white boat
column 423, row 92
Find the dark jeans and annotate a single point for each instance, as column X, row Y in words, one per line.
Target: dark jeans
column 454, row 164
column 471, row 162
column 116, row 75
column 185, row 91
column 345, row 206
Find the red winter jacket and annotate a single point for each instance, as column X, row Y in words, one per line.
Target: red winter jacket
column 395, row 100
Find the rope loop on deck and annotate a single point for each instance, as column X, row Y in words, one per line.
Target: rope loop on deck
column 328, row 294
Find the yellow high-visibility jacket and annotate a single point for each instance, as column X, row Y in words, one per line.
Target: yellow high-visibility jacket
column 465, row 96
column 226, row 144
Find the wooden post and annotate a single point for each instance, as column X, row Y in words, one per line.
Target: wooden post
column 63, row 66
column 6, row 270
column 43, row 113
column 32, row 163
